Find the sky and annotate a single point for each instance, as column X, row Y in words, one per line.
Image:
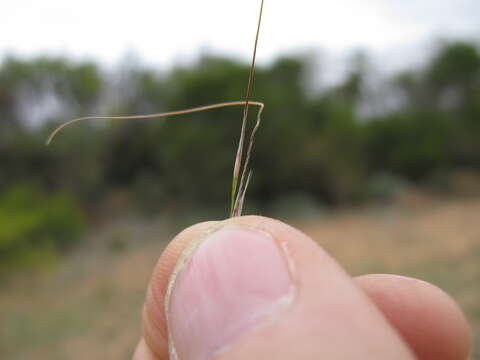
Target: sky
column 164, row 33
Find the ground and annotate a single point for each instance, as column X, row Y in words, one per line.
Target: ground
column 88, row 307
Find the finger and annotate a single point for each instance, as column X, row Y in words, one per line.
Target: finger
column 254, row 287
column 142, row 352
column 154, row 320
column 426, row 317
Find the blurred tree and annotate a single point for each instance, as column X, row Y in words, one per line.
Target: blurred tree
column 316, row 144
column 454, row 81
column 76, row 85
column 436, row 127
column 28, row 85
column 454, row 75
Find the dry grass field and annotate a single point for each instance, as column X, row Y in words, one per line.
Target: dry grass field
column 89, row 307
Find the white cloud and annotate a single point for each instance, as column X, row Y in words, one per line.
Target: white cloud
column 161, row 32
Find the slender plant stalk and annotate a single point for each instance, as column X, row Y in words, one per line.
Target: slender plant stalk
column 238, row 190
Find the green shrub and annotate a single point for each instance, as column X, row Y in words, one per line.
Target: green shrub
column 35, row 228
column 384, row 187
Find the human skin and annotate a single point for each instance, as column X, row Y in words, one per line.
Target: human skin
column 255, row 288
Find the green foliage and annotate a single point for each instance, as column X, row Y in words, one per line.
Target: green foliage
column 311, row 143
column 35, row 227
column 411, row 144
column 455, row 65
column 78, row 83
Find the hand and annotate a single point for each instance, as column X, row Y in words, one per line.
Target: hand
column 255, row 288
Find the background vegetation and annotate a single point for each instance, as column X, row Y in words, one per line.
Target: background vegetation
column 332, row 145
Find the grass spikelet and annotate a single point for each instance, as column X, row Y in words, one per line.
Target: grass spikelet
column 238, row 162
column 241, row 173
column 240, row 167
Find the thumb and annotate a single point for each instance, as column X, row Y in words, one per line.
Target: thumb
column 255, row 288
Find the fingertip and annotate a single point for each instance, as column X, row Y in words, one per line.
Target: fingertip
column 428, row 319
column 154, row 320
